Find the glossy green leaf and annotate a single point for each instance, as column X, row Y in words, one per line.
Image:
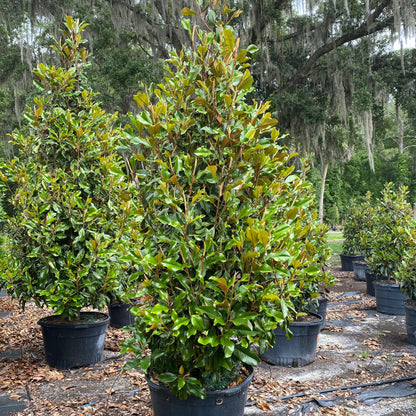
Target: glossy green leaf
column 245, row 355
column 172, row 265
column 167, row 377
column 198, row 322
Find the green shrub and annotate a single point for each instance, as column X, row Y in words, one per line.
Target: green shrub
column 392, row 216
column 405, row 274
column 225, row 245
column 366, row 225
column 359, row 223
column 351, row 244
column 69, row 192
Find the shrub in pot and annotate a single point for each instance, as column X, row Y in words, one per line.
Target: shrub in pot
column 351, row 247
column 405, row 275
column 369, row 211
column 123, row 296
column 366, row 221
column 366, row 224
column 309, row 269
column 70, row 199
column 216, row 239
column 388, row 240
column 406, row 270
column 314, row 298
column 392, row 216
column 309, row 273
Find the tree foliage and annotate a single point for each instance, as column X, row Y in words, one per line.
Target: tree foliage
column 327, row 65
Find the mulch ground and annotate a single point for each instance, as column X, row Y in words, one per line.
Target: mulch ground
column 105, row 389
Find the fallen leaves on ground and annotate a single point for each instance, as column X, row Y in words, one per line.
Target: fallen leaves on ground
column 373, row 344
column 105, row 389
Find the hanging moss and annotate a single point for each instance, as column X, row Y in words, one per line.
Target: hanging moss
column 296, row 39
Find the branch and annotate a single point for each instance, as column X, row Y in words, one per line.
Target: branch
column 368, row 27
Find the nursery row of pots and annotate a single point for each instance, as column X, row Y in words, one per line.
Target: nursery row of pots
column 194, row 209
column 380, row 247
column 75, row 345
column 390, row 298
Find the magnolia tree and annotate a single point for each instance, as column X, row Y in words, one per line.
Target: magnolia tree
column 221, row 250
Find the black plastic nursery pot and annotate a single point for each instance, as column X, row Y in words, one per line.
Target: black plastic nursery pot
column 347, row 259
column 321, row 310
column 410, row 318
column 70, row 344
column 370, row 278
column 230, row 402
column 299, row 350
column 389, row 298
column 120, row 314
column 359, row 268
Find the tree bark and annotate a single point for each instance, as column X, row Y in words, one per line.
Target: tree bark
column 400, row 130
column 321, row 199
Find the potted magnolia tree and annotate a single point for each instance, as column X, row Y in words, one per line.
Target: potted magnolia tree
column 392, row 216
column 311, row 270
column 123, row 297
column 71, row 205
column 406, row 277
column 216, row 240
column 351, row 247
column 309, row 273
column 364, row 238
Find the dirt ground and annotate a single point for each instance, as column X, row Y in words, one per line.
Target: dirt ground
column 358, row 346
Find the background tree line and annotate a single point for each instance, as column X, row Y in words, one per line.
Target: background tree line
column 339, row 82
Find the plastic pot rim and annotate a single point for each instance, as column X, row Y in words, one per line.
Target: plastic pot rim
column 226, row 392
column 48, row 321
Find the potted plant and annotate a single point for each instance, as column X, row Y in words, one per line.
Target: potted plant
column 389, row 241
column 316, row 298
column 309, row 273
column 406, row 277
column 366, row 221
column 216, row 241
column 71, row 205
column 351, row 248
column 123, row 296
column 312, row 272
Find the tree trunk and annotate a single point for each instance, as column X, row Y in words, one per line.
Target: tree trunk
column 400, row 129
column 321, row 199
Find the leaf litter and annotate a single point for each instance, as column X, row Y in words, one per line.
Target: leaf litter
column 105, row 389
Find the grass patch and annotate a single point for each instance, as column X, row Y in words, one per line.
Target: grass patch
column 335, row 246
column 334, row 235
column 335, row 240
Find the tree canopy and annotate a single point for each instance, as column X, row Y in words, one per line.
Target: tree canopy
column 330, row 67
